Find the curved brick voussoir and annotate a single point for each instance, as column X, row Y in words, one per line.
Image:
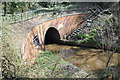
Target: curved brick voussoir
column 34, row 43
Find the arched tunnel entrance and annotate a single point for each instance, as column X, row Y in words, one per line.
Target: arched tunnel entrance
column 52, row 36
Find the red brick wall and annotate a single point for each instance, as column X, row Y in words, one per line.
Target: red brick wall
column 63, row 25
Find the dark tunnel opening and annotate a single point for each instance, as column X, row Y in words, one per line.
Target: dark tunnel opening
column 52, row 36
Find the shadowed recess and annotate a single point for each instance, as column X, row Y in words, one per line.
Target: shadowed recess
column 52, row 36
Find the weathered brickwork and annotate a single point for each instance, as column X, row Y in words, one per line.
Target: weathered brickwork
column 63, row 25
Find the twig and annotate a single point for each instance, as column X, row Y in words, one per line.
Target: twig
column 109, row 60
column 87, row 76
column 10, row 64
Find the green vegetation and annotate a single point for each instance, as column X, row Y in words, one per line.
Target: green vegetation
column 89, row 38
column 86, row 37
column 103, row 33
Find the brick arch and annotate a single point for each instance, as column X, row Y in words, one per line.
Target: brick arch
column 64, row 25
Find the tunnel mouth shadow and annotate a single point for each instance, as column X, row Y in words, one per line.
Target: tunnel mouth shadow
column 73, row 43
column 52, row 36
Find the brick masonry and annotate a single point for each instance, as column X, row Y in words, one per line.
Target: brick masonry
column 63, row 24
